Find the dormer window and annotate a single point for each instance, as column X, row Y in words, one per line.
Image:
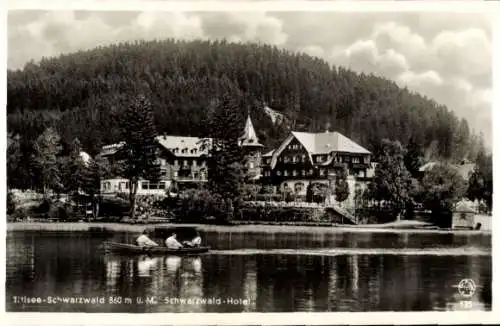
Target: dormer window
column 176, row 150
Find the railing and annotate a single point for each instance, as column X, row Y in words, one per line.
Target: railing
column 189, row 179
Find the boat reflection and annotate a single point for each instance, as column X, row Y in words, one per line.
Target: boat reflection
column 173, row 263
column 146, row 265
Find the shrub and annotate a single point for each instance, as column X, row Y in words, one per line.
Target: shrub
column 196, row 205
column 114, row 207
column 11, row 204
column 270, row 213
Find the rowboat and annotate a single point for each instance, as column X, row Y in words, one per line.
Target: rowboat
column 125, row 248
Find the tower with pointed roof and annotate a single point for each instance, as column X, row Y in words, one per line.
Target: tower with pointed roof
column 253, row 149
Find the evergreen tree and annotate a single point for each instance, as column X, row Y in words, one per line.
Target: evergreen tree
column 45, row 162
column 140, row 149
column 226, row 167
column 72, row 168
column 341, row 185
column 14, row 156
column 414, row 157
column 392, row 179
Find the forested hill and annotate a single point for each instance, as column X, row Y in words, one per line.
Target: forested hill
column 83, row 94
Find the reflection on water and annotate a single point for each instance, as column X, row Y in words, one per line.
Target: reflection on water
column 251, row 273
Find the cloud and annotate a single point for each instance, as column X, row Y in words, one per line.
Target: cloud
column 445, row 56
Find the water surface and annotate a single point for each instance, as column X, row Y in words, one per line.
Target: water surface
column 251, row 272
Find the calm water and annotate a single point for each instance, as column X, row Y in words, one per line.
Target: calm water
column 251, row 272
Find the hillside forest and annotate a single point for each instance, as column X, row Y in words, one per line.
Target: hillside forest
column 84, row 95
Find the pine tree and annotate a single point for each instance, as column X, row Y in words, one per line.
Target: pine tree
column 45, row 163
column 140, row 149
column 72, row 168
column 226, row 169
column 341, row 185
column 414, row 157
column 14, row 156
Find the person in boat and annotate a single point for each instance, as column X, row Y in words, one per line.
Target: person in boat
column 195, row 242
column 172, row 242
column 144, row 241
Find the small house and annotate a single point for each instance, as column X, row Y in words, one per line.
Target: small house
column 463, row 216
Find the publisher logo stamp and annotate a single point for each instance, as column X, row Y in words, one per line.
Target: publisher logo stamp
column 466, row 288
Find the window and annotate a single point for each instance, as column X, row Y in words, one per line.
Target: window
column 251, row 165
column 176, row 162
column 299, row 187
column 184, row 150
column 366, row 159
column 176, row 150
column 295, row 173
column 145, row 185
column 322, row 172
column 203, row 163
column 463, row 216
column 194, row 162
column 285, row 159
column 163, row 173
column 303, row 172
column 303, row 158
column 126, row 185
column 153, row 186
column 355, row 160
column 176, row 174
column 161, row 185
column 278, row 173
column 311, row 171
column 121, row 186
column 285, row 173
column 185, row 163
column 203, row 174
column 196, row 175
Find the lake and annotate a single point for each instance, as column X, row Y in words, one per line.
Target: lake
column 251, row 272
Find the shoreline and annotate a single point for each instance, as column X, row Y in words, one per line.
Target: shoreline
column 244, row 228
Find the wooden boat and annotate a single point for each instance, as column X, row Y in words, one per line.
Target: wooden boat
column 125, row 248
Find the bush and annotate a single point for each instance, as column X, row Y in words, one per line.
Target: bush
column 269, row 213
column 114, row 207
column 61, row 211
column 11, row 204
column 196, row 205
column 268, row 197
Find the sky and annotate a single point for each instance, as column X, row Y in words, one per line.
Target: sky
column 444, row 56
